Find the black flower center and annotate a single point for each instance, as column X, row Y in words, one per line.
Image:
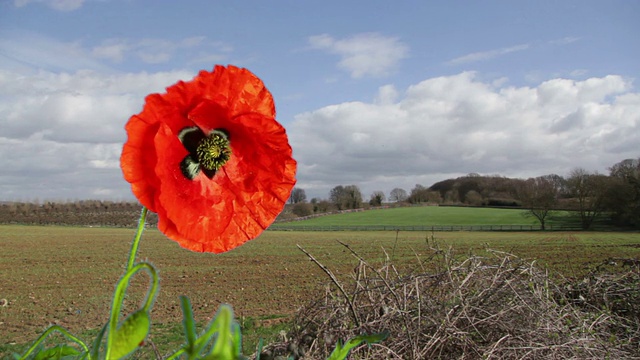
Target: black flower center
column 206, row 153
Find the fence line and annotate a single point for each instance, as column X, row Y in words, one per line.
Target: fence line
column 439, row 228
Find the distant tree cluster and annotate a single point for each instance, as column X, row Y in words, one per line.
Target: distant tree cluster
column 346, row 197
column 623, row 193
column 589, row 195
column 377, row 198
column 471, row 189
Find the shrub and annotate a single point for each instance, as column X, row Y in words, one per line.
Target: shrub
column 473, row 307
column 302, row 209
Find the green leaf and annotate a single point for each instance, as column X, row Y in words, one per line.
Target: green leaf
column 227, row 343
column 341, row 351
column 57, row 353
column 130, row 334
column 95, row 349
column 259, row 349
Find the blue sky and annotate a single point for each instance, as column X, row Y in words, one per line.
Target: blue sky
column 380, row 94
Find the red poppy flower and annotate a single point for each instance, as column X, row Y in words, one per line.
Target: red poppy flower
column 210, row 159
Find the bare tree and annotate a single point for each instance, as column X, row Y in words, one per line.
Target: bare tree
column 419, row 194
column 398, row 194
column 353, row 197
column 626, row 169
column 589, row 191
column 559, row 183
column 298, row 195
column 346, row 197
column 336, row 196
column 539, row 196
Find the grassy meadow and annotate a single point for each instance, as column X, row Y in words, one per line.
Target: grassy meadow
column 66, row 275
column 430, row 216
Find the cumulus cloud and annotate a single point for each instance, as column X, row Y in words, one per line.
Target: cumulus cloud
column 60, row 5
column 487, row 55
column 448, row 126
column 62, row 111
column 368, row 54
column 62, row 133
column 42, row 169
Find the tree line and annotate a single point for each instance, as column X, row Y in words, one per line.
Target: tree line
column 74, row 213
column 590, row 195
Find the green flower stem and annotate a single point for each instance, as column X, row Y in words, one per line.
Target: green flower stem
column 189, row 330
column 49, row 331
column 118, row 297
column 189, row 324
column 136, row 240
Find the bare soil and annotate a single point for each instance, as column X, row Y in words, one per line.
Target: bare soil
column 66, row 275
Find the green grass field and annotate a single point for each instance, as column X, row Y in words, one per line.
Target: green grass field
column 430, row 216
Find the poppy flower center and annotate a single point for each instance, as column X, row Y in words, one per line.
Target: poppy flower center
column 206, row 153
column 213, row 151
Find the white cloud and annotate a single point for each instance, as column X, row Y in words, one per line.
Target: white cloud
column 48, row 170
column 60, row 5
column 367, row 54
column 24, row 51
column 80, row 107
column 564, row 40
column 487, row 55
column 579, row 72
column 156, row 51
column 447, row 126
column 387, row 94
column 62, row 133
column 62, row 111
column 112, row 49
